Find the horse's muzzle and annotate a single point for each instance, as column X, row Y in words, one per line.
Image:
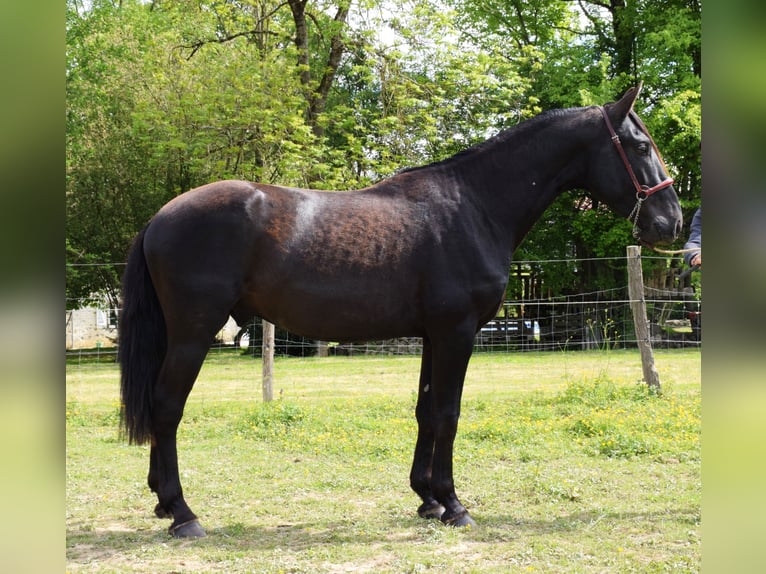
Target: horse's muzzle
column 661, row 232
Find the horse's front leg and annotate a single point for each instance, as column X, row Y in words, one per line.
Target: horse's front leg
column 450, row 355
column 420, row 475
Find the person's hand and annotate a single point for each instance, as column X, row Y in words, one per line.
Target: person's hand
column 696, row 260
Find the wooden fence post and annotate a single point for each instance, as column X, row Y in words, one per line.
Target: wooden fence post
column 268, row 361
column 638, row 307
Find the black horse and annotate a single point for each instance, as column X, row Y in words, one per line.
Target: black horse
column 424, row 253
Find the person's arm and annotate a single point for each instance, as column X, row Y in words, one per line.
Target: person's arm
column 695, row 241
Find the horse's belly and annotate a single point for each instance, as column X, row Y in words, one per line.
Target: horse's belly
column 350, row 331
column 340, row 312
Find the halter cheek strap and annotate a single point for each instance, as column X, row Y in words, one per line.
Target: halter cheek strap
column 642, row 191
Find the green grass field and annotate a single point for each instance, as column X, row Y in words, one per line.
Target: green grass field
column 565, row 460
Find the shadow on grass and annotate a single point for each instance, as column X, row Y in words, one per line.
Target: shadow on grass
column 587, row 520
column 101, row 544
column 89, row 545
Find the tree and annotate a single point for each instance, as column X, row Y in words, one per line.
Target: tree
column 105, row 160
column 587, row 52
column 163, row 97
column 147, row 121
column 334, row 94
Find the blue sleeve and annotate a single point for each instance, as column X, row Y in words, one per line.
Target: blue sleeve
column 695, row 237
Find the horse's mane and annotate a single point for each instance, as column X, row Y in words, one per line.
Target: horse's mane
column 504, row 136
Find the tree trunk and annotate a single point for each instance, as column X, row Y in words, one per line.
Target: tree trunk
column 624, row 41
column 316, row 97
column 298, row 8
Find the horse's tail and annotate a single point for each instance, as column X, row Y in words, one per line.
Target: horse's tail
column 142, row 345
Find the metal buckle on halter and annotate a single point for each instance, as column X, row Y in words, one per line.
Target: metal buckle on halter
column 633, row 216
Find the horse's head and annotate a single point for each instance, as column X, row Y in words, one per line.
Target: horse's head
column 628, row 174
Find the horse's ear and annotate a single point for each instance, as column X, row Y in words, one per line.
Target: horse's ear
column 618, row 111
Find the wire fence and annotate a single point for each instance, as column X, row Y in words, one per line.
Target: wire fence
column 592, row 320
column 600, row 320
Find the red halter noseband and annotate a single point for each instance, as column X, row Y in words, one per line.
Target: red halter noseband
column 642, row 191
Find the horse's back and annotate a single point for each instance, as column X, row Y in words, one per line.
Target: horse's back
column 289, row 254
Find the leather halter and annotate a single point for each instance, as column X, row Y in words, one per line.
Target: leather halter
column 642, row 191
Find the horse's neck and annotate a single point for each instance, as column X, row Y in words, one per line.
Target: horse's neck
column 517, row 177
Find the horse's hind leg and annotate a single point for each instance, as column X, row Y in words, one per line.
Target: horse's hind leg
column 154, row 480
column 182, row 363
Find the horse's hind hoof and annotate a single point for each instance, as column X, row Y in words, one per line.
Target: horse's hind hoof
column 462, row 520
column 431, row 510
column 190, row 529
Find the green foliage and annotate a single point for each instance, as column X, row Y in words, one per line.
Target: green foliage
column 328, row 430
column 83, row 415
column 268, row 420
column 165, row 96
column 599, row 416
column 627, row 422
column 576, row 54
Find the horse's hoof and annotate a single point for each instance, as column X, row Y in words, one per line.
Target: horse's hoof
column 431, row 510
column 462, row 520
column 190, row 529
column 160, row 512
